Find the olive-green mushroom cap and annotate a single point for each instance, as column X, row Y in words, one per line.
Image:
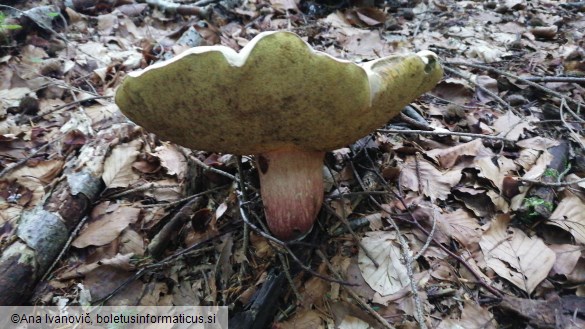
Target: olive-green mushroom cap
column 277, row 92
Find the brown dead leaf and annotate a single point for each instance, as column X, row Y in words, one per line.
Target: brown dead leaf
column 538, row 143
column 475, row 200
column 118, row 166
column 107, row 227
column 472, row 316
column 456, row 90
column 570, row 216
column 449, row 157
column 284, row 5
column 35, row 177
column 172, row 160
column 303, row 319
column 434, row 183
column 495, row 170
column 512, row 126
column 463, row 227
column 527, row 158
column 524, row 261
column 567, row 257
column 390, row 276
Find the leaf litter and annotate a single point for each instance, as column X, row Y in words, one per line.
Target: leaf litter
column 481, row 263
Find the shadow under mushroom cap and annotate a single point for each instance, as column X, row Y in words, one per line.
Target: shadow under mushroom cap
column 276, row 93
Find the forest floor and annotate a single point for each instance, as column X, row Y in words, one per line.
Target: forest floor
column 467, row 211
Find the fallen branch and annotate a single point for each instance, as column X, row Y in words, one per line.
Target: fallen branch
column 443, row 133
column 172, row 7
column 43, row 231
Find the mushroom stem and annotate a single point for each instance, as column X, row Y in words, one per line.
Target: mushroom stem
column 291, row 183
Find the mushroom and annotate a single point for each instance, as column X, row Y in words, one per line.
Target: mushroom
column 277, row 99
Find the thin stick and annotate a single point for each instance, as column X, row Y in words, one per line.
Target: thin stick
column 354, row 294
column 72, row 236
column 214, row 170
column 174, row 203
column 512, row 76
column 482, row 88
column 23, row 161
column 405, row 249
column 448, row 133
column 351, row 231
column 556, row 79
column 245, row 200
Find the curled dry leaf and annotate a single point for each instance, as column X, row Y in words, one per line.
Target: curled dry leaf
column 512, row 126
column 461, row 226
column 391, row 275
column 105, row 229
column 172, row 160
column 567, row 257
column 495, row 170
column 118, row 166
column 434, row 183
column 524, row 261
column 570, row 216
column 449, row 157
column 472, row 316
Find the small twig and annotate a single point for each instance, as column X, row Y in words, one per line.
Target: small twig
column 555, row 79
column 351, row 231
column 573, row 134
column 174, row 203
column 70, row 104
column 552, row 184
column 245, row 200
column 23, row 161
column 478, row 86
column 353, row 294
column 289, row 277
column 351, row 194
column 415, row 123
column 405, row 250
column 429, row 237
column 513, row 76
column 448, row 133
column 418, row 175
column 142, row 188
column 72, row 236
column 157, row 265
column 214, row 170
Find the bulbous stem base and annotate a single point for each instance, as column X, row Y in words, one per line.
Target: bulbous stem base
column 291, row 183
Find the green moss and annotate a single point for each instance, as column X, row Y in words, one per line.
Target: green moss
column 532, row 203
column 550, row 172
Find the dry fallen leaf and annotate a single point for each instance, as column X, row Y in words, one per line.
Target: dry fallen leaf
column 570, row 216
column 434, row 183
column 525, row 261
column 511, row 126
column 472, row 316
column 462, row 227
column 106, row 228
column 118, row 166
column 390, row 276
column 449, row 157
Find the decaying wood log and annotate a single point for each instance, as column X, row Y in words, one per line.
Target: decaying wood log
column 43, row 231
column 540, row 199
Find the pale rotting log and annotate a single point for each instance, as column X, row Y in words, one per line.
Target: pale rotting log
column 43, row 231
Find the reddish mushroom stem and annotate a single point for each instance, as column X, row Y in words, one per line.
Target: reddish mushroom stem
column 291, row 182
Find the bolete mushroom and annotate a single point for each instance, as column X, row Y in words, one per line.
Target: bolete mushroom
column 279, row 100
